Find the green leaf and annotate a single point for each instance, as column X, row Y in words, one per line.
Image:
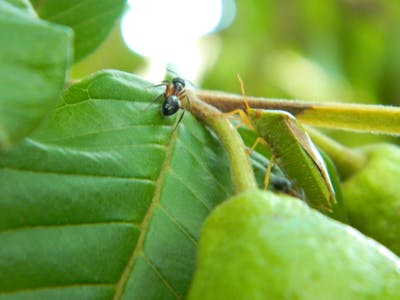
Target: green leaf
column 22, row 6
column 91, row 20
column 34, row 58
column 106, row 200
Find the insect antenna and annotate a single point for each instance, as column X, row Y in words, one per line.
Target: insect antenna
column 171, row 71
column 164, row 82
column 246, row 103
column 243, row 114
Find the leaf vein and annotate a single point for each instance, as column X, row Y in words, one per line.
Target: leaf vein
column 95, row 18
column 98, row 100
column 161, row 276
column 108, row 130
column 219, row 184
column 47, row 226
column 137, row 250
column 179, row 225
column 70, row 10
column 79, row 174
column 183, row 182
column 57, row 287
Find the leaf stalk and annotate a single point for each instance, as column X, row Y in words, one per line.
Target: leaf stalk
column 242, row 174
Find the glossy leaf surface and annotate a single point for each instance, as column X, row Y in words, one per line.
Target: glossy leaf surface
column 34, row 58
column 105, row 200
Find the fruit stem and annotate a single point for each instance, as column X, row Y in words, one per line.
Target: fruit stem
column 346, row 160
column 242, row 173
column 378, row 119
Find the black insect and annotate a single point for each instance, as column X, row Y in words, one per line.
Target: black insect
column 174, row 92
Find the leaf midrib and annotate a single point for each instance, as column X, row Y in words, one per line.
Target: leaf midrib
column 120, row 286
column 114, row 177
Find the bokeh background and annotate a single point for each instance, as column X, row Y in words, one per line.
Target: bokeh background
column 326, row 50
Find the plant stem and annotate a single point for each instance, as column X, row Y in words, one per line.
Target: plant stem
column 347, row 161
column 241, row 171
column 355, row 117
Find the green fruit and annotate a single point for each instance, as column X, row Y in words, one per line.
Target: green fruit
column 372, row 195
column 259, row 245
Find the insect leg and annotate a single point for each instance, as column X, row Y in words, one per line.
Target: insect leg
column 153, row 101
column 268, row 172
column 256, row 142
column 180, row 118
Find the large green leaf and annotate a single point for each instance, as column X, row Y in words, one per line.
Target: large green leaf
column 91, row 20
column 106, row 199
column 34, row 57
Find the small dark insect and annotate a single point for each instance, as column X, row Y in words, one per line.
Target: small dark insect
column 174, row 92
column 283, row 185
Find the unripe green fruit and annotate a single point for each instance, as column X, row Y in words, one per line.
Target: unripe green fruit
column 259, row 245
column 372, row 195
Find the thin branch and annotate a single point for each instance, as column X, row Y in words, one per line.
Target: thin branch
column 376, row 119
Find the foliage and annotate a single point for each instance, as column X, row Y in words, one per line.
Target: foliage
column 91, row 202
column 102, row 197
column 30, row 81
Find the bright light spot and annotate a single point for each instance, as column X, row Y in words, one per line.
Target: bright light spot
column 158, row 28
column 167, row 31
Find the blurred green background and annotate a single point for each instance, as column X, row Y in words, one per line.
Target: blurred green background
column 327, row 50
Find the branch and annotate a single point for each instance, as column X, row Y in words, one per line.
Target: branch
column 376, row 119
